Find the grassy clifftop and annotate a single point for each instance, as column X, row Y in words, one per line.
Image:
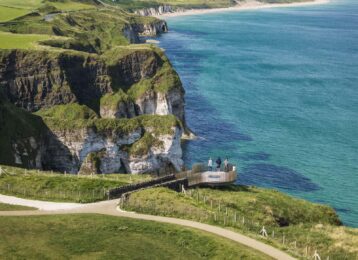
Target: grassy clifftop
column 294, row 225
column 186, row 4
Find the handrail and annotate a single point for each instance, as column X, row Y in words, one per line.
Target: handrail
column 208, row 178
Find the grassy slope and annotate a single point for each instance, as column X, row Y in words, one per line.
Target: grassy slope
column 9, row 13
column 140, row 4
column 21, row 41
column 311, row 225
column 105, row 237
column 58, row 187
column 8, row 207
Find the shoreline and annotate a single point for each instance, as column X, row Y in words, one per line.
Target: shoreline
column 250, row 5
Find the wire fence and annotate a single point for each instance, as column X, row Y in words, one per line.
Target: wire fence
column 217, row 213
column 63, row 195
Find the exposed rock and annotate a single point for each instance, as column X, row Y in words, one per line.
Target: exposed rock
column 151, row 29
column 88, row 151
column 156, row 103
column 155, row 11
column 167, row 155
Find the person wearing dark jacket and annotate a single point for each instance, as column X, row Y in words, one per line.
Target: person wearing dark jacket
column 218, row 164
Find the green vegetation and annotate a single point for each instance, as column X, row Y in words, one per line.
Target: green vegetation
column 72, row 111
column 28, row 4
column 134, row 5
column 186, row 4
column 8, row 207
column 247, row 209
column 63, row 5
column 9, row 13
column 74, row 116
column 165, row 80
column 107, row 237
column 17, row 124
column 113, row 100
column 59, row 187
column 143, row 145
column 21, row 41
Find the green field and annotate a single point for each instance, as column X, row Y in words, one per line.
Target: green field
column 8, row 207
column 8, row 13
column 23, row 4
column 302, row 225
column 105, row 237
column 21, row 41
column 71, row 6
column 59, row 187
column 64, row 5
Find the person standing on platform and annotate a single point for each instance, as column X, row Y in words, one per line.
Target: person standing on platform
column 226, row 164
column 218, row 164
column 210, row 164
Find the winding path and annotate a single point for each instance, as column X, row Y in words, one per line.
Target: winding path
column 111, row 208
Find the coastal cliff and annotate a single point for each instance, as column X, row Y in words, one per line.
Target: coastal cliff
column 160, row 10
column 91, row 102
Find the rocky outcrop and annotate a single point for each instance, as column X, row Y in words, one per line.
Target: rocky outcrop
column 73, row 108
column 84, row 78
column 155, row 11
column 156, row 103
column 151, row 29
column 88, row 151
column 167, row 155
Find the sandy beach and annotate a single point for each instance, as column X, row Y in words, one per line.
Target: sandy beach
column 248, row 5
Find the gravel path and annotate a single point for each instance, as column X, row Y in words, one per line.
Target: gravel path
column 111, row 208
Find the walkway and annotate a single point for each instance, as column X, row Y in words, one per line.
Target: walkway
column 111, row 208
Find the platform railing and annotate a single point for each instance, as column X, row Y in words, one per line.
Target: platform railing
column 210, row 177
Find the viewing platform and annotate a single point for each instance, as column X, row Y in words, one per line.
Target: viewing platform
column 209, row 178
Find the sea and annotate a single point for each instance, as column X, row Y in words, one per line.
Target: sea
column 276, row 92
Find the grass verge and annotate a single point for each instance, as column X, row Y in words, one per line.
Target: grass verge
column 8, row 207
column 59, row 187
column 106, row 237
column 296, row 226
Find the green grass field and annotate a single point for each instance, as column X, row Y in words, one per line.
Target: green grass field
column 71, row 6
column 21, row 41
column 8, row 207
column 9, row 13
column 105, row 237
column 64, row 5
column 58, row 187
column 246, row 209
column 23, row 4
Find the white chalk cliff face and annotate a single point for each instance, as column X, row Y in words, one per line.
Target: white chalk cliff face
column 155, row 11
column 168, row 154
column 80, row 150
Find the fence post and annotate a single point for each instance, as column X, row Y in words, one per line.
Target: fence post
column 243, row 220
column 219, row 206
column 283, row 239
column 235, row 218
column 273, row 234
column 211, row 204
column 226, row 211
column 316, row 256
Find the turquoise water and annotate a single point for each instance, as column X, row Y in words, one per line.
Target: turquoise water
column 276, row 91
